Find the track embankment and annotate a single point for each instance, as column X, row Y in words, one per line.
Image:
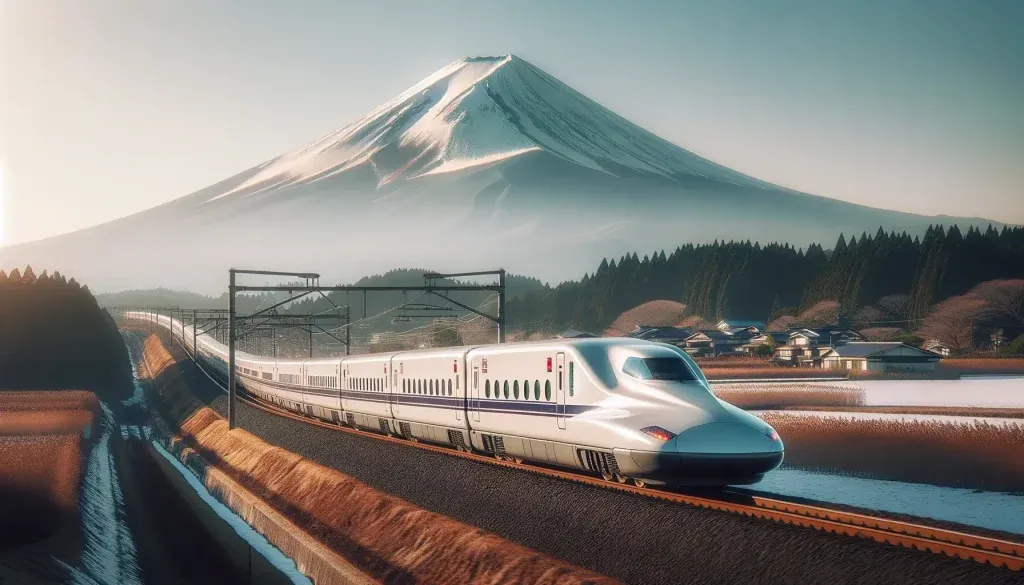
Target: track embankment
column 626, row 536
column 388, row 539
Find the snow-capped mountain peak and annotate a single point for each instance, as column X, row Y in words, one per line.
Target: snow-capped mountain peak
column 474, row 113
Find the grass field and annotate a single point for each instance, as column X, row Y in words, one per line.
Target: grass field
column 978, row 455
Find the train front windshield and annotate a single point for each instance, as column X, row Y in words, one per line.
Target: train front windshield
column 669, row 369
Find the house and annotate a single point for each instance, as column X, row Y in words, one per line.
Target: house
column 774, row 338
column 880, row 356
column 1005, row 335
column 731, row 324
column 806, row 346
column 671, row 335
column 715, row 342
column 573, row 334
column 935, row 346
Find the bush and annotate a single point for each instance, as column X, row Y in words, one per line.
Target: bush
column 764, row 350
column 1015, row 347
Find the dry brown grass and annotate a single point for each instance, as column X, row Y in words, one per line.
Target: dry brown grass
column 983, row 365
column 940, row 410
column 978, row 455
column 767, row 373
column 881, row 333
column 731, row 362
column 771, row 396
column 660, row 313
column 389, row 538
column 48, row 465
column 41, row 446
column 46, row 422
column 42, row 400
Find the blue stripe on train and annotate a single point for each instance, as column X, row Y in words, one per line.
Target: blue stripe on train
column 453, row 403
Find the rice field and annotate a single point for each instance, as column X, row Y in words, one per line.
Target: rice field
column 976, row 455
column 716, row 372
column 779, row 396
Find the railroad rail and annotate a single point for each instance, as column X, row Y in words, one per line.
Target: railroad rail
column 951, row 543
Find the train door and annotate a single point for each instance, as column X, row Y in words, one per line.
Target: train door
column 560, row 389
column 393, row 396
column 474, row 391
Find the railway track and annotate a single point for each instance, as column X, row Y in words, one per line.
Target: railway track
column 981, row 549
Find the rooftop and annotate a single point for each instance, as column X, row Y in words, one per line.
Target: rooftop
column 863, row 349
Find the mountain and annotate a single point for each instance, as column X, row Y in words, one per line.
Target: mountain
column 489, row 162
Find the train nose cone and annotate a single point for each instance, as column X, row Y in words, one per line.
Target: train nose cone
column 723, row 438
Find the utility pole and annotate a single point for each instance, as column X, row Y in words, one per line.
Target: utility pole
column 231, row 349
column 348, row 329
column 195, row 348
column 501, row 306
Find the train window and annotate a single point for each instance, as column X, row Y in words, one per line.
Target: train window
column 504, row 389
column 526, row 389
column 547, row 389
column 403, row 386
column 449, row 387
column 664, row 368
column 430, row 387
column 536, row 389
column 487, row 388
column 515, row 389
column 571, row 386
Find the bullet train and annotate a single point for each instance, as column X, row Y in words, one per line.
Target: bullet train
column 623, row 408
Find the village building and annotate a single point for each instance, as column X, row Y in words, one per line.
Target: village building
column 770, row 338
column 880, row 356
column 671, row 335
column 734, row 324
column 715, row 342
column 805, row 347
column 574, row 334
column 936, row 346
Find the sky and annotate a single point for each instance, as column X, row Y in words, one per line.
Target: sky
column 111, row 107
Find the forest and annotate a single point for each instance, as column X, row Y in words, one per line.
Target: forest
column 744, row 280
column 53, row 335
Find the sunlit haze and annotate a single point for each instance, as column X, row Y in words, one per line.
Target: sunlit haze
column 111, row 107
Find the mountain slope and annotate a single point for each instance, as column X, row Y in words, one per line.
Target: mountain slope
column 488, row 162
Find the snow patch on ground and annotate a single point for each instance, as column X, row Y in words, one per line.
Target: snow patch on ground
column 108, row 554
column 256, row 540
column 995, row 511
column 963, row 420
column 977, row 392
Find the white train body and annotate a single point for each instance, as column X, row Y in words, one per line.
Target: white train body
column 621, row 407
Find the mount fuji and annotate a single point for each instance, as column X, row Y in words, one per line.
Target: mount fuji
column 488, row 162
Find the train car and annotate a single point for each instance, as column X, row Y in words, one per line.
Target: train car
column 428, row 400
column 322, row 389
column 365, row 393
column 620, row 407
column 624, row 408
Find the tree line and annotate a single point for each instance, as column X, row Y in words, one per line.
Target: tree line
column 53, row 335
column 745, row 280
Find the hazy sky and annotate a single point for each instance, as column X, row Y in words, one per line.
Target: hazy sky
column 110, row 107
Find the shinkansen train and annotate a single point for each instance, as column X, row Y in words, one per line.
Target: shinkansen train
column 627, row 409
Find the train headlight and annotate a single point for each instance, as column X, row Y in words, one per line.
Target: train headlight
column 772, row 434
column 659, row 433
